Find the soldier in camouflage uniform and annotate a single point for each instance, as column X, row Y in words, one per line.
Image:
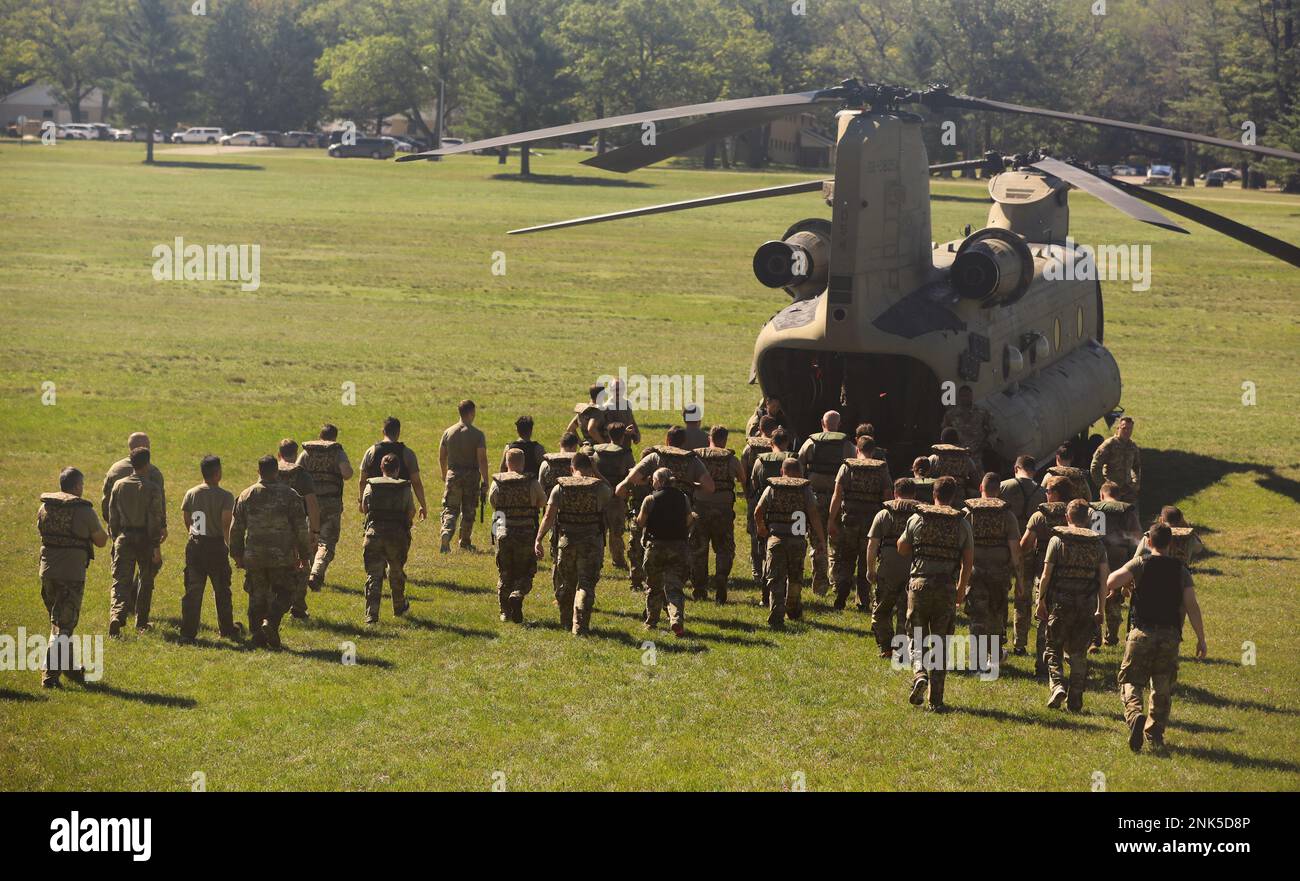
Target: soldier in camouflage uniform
column 766, row 466
column 209, row 512
column 1120, row 532
column 462, row 456
column 301, row 482
column 408, row 467
column 1033, row 548
column 716, row 523
column 389, row 506
column 588, row 422
column 1119, row 460
column 888, row 570
column 939, row 543
column 755, row 446
column 553, row 467
column 577, row 509
column 327, row 463
column 1080, row 488
column 921, row 478
column 862, row 486
column 820, row 458
column 70, row 532
column 122, row 468
column 785, row 515
column 1184, row 546
column 666, row 518
column 696, row 437
column 769, row 406
column 947, row 459
column 997, row 561
column 269, row 540
column 137, row 521
column 516, row 497
column 1162, row 592
column 974, row 425
column 614, row 461
column 1070, row 602
column 1022, row 492
column 532, row 450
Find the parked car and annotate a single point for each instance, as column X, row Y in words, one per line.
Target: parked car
column 300, row 139
column 102, row 130
column 244, row 139
column 1228, row 173
column 373, row 148
column 199, row 134
column 77, row 131
column 1105, row 170
column 140, row 133
column 1124, row 171
column 1160, row 176
column 120, row 134
column 272, row 138
column 406, row 144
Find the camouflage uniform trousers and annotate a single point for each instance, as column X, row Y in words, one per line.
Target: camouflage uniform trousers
column 1150, row 658
column 784, row 567
column 63, row 602
column 1024, row 606
column 331, row 519
column 931, row 609
column 615, row 526
column 1071, row 620
column 385, row 554
column 206, row 557
column 269, row 590
column 133, row 571
column 756, row 549
column 668, row 566
column 986, row 601
column 889, row 608
column 516, row 568
column 578, row 570
column 636, row 551
column 715, row 527
column 1128, row 492
column 849, row 556
column 823, row 555
column 460, row 499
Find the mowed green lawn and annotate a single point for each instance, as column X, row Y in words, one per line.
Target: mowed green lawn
column 380, row 275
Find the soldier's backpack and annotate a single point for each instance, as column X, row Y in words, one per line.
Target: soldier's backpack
column 939, row 538
column 1074, row 573
column 321, row 461
column 787, row 497
column 386, row 508
column 54, row 522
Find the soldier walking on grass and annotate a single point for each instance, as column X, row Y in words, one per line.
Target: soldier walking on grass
column 327, row 463
column 666, row 519
column 516, row 497
column 70, row 532
column 389, row 506
column 576, row 509
column 137, row 520
column 209, row 512
column 462, row 458
column 786, row 514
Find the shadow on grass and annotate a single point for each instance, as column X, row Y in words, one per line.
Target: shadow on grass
column 334, row 656
column 573, row 180
column 202, row 642
column 214, row 166
column 152, row 698
column 7, row 694
column 427, row 624
column 342, row 628
column 692, row 633
column 814, row 624
column 1236, row 760
column 1067, row 723
column 627, row 639
column 1199, row 695
column 448, row 585
column 1169, row 476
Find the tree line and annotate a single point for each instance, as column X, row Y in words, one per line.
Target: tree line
column 1225, row 67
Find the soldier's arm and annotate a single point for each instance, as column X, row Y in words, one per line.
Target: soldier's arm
column 365, row 499
column 543, row 528
column 493, row 494
column 410, row 509
column 873, row 554
column 107, row 495
column 301, row 537
column 833, row 514
column 1103, row 575
column 634, row 478
column 502, row 466
column 313, row 512
column 573, row 424
column 417, row 487
column 1118, row 580
column 237, row 535
column 361, row 483
column 904, row 543
column 1017, row 565
column 1099, row 460
column 442, row 457
column 1137, row 464
column 345, row 466
column 98, row 536
column 815, row 524
column 738, row 472
column 1044, row 585
column 643, row 516
column 1193, row 610
column 484, row 474
column 967, row 566
column 1028, row 541
column 760, row 510
column 227, row 520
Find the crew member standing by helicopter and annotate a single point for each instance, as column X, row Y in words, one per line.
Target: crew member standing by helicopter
column 1118, row 460
column 974, row 425
column 862, row 486
column 821, row 457
column 950, row 459
column 755, row 446
column 1038, row 531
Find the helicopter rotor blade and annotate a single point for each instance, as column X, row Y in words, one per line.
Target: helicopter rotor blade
column 1260, row 241
column 725, row 199
column 794, row 99
column 680, row 140
column 1102, row 189
column 939, row 99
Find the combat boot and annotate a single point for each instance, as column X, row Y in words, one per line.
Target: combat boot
column 315, row 581
column 445, row 546
column 1135, row 733
column 515, row 608
column 1057, row 698
column 76, row 674
column 272, row 635
column 917, row 695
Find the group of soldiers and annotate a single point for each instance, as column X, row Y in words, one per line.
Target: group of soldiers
column 910, row 551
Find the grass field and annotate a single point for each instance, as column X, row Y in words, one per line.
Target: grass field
column 380, row 275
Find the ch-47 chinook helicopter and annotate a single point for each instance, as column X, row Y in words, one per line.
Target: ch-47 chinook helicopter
column 881, row 316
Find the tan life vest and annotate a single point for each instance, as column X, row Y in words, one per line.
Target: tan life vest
column 864, row 486
column 1074, row 572
column 951, row 461
column 718, row 463
column 514, row 500
column 580, row 512
column 900, row 511
column 678, row 461
column 1180, row 547
column 611, row 462
column 786, row 498
column 939, row 538
column 321, row 461
column 827, row 452
column 988, row 522
column 1077, row 477
column 54, row 522
column 557, row 465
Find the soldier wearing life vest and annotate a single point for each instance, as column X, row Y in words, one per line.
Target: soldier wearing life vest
column 137, row 521
column 327, row 463
column 588, row 422
column 821, row 457
column 1023, row 492
column 786, row 514
column 1162, row 592
column 887, row 569
column 1070, row 603
column 208, row 511
column 1121, row 531
column 576, row 508
column 666, row 517
column 1065, row 467
column 516, row 497
column 997, row 561
column 532, row 450
column 715, row 525
column 766, row 466
column 770, row 405
column 1184, row 546
column 1033, row 548
column 462, row 458
column 1118, row 459
column 614, row 461
column 553, row 467
column 301, row 481
column 973, row 424
column 408, row 466
column 755, row 446
column 940, row 546
column 120, row 469
column 862, row 486
column 389, row 506
column 949, row 459
column 69, row 532
column 921, row 478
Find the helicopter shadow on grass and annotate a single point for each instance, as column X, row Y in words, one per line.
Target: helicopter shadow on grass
column 1197, row 694
column 1235, row 759
column 7, row 694
column 1068, row 723
column 1169, row 476
column 205, row 166
column 574, row 180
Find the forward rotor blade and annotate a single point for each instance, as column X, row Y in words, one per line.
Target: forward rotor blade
column 688, row 137
column 939, row 99
column 1260, row 241
column 1102, row 189
column 794, row 99
column 746, row 196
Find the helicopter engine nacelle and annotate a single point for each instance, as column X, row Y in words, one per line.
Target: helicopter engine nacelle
column 994, row 266
column 799, row 262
